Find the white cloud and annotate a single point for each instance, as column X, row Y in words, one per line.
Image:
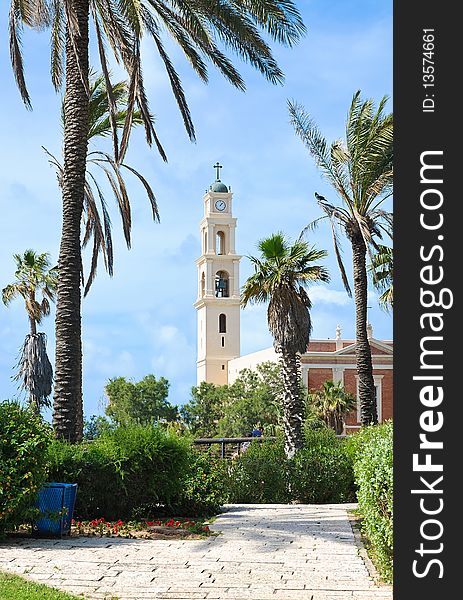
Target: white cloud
column 106, row 361
column 325, row 295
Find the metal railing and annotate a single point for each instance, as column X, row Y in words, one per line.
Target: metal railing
column 236, row 442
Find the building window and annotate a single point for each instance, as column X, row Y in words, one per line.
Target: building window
column 223, row 342
column 223, row 367
column 220, row 243
column 222, row 323
column 203, row 285
column 221, row 284
column 205, row 242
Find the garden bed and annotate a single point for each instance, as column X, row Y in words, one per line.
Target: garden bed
column 159, row 529
column 156, row 529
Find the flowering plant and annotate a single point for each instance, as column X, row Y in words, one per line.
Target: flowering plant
column 102, row 527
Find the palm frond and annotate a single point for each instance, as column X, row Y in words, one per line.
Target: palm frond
column 175, row 82
column 57, row 43
column 280, row 19
column 307, row 130
column 112, row 105
column 149, row 191
column 15, row 31
column 118, row 187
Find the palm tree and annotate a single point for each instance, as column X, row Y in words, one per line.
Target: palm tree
column 280, row 275
column 97, row 222
column 199, row 27
column 331, row 403
column 360, row 170
column 34, row 278
column 382, row 269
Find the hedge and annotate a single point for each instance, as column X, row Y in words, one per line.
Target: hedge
column 319, row 472
column 24, row 439
column 322, row 470
column 373, row 470
column 138, row 472
column 260, row 474
column 122, row 470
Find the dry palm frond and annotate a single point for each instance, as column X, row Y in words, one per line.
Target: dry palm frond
column 35, row 372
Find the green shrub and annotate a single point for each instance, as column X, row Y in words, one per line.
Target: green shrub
column 122, row 470
column 373, row 469
column 260, row 474
column 319, row 472
column 24, row 438
column 322, row 470
column 204, row 485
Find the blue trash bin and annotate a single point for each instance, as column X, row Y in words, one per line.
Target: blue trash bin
column 53, row 498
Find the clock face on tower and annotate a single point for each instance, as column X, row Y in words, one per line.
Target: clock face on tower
column 221, row 205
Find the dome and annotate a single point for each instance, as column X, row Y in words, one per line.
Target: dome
column 220, row 187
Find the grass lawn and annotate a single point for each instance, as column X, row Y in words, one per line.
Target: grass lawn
column 17, row 588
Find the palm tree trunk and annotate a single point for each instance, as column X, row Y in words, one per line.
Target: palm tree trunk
column 32, row 321
column 33, row 325
column 68, row 413
column 33, row 400
column 366, row 386
column 290, row 365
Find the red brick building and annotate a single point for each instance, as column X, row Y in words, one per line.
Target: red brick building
column 335, row 359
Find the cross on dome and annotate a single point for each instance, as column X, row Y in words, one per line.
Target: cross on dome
column 218, row 166
column 218, row 186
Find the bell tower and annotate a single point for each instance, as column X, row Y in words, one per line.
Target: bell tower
column 218, row 302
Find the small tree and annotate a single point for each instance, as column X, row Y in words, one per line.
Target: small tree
column 203, row 412
column 331, row 403
column 141, row 402
column 234, row 410
column 36, row 283
column 254, row 398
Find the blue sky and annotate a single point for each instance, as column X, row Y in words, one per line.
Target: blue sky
column 142, row 320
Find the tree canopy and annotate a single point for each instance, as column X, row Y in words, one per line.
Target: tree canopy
column 143, row 401
column 234, row 410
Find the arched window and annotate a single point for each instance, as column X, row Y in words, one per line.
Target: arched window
column 205, row 242
column 221, row 284
column 203, row 285
column 222, row 323
column 220, row 243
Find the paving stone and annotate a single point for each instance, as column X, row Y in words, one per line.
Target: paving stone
column 264, row 552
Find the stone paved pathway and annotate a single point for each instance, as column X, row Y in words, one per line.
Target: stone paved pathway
column 278, row 552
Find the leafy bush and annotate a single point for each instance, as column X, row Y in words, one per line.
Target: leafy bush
column 373, row 470
column 204, row 486
column 24, row 438
column 260, row 474
column 322, row 470
column 122, row 470
column 319, row 472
